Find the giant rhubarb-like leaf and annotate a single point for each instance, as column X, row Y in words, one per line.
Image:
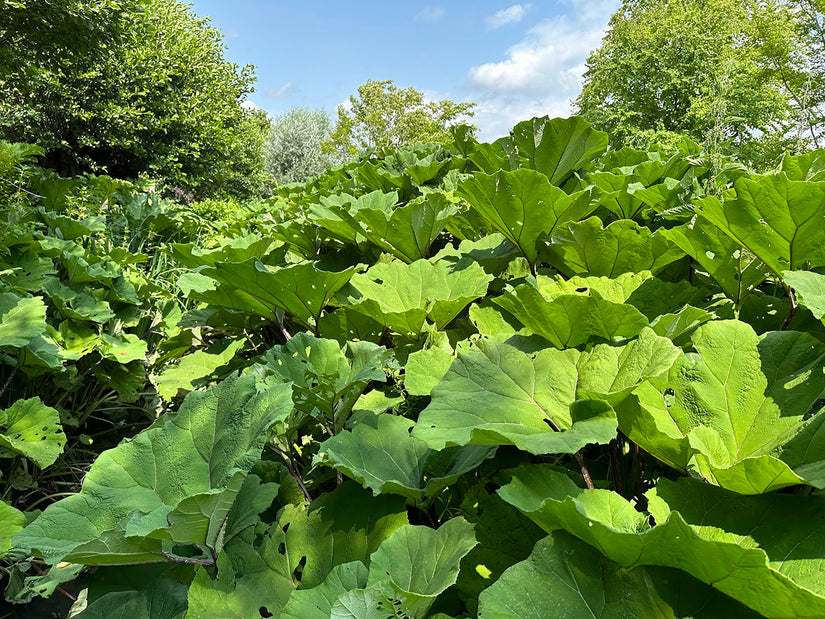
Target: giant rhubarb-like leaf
column 301, row 289
column 557, row 147
column 495, row 394
column 21, row 319
column 31, row 429
column 571, row 320
column 401, row 296
column 173, row 483
column 746, row 408
column 735, row 269
column 721, row 538
column 586, row 248
column 381, row 454
column 781, row 222
column 523, row 206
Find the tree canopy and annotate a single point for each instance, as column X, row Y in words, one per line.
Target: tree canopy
column 130, row 88
column 383, row 115
column 666, row 69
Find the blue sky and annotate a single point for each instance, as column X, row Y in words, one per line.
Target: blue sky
column 516, row 60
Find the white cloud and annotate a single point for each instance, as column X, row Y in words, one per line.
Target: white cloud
column 541, row 74
column 430, row 13
column 277, row 93
column 511, row 14
column 495, row 116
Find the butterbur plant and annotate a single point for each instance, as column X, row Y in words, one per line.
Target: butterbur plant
column 532, row 378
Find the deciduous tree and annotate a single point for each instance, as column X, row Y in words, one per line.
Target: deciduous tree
column 293, row 149
column 383, row 115
column 667, row 68
column 130, row 88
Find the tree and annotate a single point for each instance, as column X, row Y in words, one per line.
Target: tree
column 666, row 69
column 293, row 149
column 383, row 115
column 138, row 87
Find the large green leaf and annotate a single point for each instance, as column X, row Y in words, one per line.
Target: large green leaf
column 405, row 232
column 495, row 394
column 381, row 454
column 523, row 206
column 317, row 603
column 21, row 319
column 565, row 577
column 74, row 303
column 297, row 552
column 174, row 482
column 653, row 297
column 810, row 290
column 164, row 598
column 735, row 269
column 70, row 228
column 238, row 249
column 808, row 166
column 505, row 537
column 558, row 147
column 326, row 378
column 572, row 319
column 721, row 540
column 575, row 580
column 347, row 524
column 335, row 212
column 250, row 579
column 401, row 296
column 746, row 408
column 586, row 248
column 425, row 368
column 781, row 222
column 408, row 572
column 302, row 289
column 193, row 368
column 11, row 522
column 31, row 429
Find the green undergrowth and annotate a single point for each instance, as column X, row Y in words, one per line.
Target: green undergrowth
column 529, row 378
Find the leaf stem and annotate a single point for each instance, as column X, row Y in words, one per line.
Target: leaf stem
column 188, row 560
column 9, row 379
column 792, row 310
column 585, row 473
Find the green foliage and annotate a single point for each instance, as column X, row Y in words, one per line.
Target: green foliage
column 435, row 381
column 384, row 116
column 293, row 147
column 175, row 483
column 728, row 73
column 95, row 89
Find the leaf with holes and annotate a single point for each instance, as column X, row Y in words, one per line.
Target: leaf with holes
column 33, row 430
column 745, row 409
column 174, row 482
